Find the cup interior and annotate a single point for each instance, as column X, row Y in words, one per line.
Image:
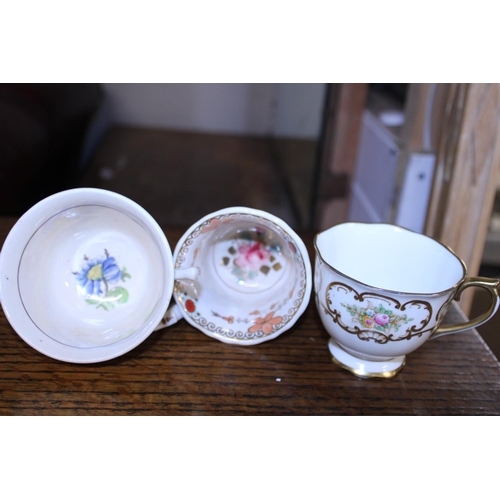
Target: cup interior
column 390, row 257
column 89, row 276
column 253, row 281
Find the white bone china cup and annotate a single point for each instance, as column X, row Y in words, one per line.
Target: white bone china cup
column 85, row 275
column 381, row 292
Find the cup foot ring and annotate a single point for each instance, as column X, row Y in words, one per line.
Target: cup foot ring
column 363, row 368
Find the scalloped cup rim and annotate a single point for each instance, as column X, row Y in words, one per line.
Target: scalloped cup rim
column 383, row 289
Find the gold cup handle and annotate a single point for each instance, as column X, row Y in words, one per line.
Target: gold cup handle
column 489, row 284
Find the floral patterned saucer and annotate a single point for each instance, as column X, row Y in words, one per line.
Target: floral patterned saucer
column 254, row 276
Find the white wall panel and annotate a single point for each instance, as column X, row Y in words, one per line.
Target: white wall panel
column 209, row 107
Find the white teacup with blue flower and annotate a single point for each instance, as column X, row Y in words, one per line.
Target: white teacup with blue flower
column 86, row 275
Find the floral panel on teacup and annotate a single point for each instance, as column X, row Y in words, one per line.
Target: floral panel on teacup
column 377, row 317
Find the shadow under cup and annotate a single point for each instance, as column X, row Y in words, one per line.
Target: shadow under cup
column 253, row 279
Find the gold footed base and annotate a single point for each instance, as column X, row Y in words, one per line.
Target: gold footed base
column 363, row 368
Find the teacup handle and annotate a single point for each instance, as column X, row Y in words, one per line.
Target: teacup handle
column 489, row 284
column 174, row 313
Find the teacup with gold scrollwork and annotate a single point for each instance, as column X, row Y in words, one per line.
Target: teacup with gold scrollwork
column 382, row 291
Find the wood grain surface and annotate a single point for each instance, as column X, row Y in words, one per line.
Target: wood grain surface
column 180, row 371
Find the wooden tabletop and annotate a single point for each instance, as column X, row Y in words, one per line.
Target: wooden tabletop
column 180, row 371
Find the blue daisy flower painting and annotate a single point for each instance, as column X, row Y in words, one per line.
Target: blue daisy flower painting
column 97, row 281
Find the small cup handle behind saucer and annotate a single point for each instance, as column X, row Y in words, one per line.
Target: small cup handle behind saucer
column 489, row 284
column 174, row 313
column 171, row 317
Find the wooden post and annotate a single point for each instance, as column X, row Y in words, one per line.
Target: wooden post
column 466, row 174
column 342, row 126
